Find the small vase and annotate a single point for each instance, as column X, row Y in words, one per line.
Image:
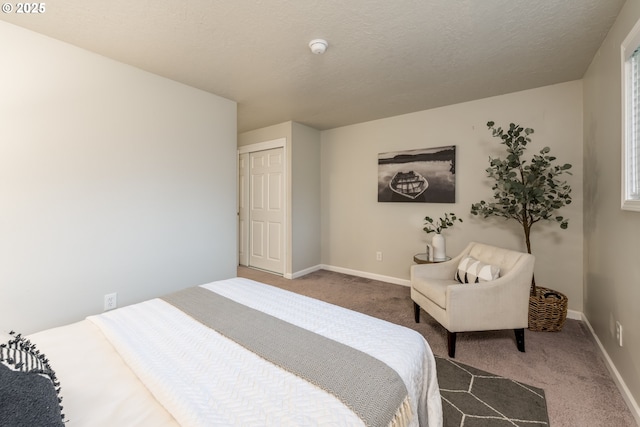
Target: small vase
column 439, row 247
column 429, row 252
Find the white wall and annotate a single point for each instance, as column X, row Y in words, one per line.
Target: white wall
column 111, row 180
column 612, row 236
column 355, row 225
column 269, row 133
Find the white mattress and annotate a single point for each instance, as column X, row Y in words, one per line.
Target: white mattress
column 115, row 371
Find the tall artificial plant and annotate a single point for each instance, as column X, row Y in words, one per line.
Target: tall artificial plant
column 525, row 191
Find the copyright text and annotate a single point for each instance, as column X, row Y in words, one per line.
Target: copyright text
column 26, row 8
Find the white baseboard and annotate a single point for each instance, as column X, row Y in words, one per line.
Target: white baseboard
column 366, row 275
column 571, row 314
column 575, row 315
column 617, row 378
column 303, row 272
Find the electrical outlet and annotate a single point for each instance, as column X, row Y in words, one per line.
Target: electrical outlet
column 110, row 301
column 379, row 256
column 619, row 333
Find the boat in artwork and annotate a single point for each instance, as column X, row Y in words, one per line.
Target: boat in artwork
column 408, row 184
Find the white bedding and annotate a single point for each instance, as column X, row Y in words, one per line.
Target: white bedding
column 192, row 376
column 98, row 388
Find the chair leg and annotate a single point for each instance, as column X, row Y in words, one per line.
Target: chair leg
column 520, row 338
column 451, row 343
column 416, row 312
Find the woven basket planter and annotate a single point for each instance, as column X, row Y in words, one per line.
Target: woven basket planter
column 547, row 310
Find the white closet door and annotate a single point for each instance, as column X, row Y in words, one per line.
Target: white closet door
column 266, row 195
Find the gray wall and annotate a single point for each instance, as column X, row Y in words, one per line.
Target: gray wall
column 305, row 198
column 612, row 236
column 110, row 181
column 355, row 225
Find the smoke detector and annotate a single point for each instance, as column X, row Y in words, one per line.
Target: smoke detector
column 318, row 46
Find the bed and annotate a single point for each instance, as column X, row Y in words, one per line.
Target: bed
column 239, row 352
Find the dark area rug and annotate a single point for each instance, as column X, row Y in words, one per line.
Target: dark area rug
column 475, row 398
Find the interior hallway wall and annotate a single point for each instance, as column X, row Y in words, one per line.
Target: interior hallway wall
column 612, row 270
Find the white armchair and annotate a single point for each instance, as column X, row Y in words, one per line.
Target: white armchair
column 497, row 304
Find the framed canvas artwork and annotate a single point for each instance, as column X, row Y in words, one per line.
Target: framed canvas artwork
column 418, row 176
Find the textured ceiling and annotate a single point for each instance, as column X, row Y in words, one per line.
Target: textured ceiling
column 384, row 58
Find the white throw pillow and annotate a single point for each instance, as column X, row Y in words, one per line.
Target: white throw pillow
column 470, row 270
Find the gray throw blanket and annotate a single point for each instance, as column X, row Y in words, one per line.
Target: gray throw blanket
column 369, row 387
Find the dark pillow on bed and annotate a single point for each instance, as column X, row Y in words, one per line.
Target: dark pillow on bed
column 29, row 390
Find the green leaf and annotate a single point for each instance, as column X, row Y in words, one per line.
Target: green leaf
column 524, row 190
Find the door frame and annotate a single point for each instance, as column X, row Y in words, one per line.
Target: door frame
column 262, row 146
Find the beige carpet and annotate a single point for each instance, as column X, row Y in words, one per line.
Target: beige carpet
column 567, row 365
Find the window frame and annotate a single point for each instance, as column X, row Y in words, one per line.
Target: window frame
column 630, row 140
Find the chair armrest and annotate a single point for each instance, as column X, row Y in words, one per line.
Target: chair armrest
column 437, row 270
column 495, row 292
column 499, row 304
